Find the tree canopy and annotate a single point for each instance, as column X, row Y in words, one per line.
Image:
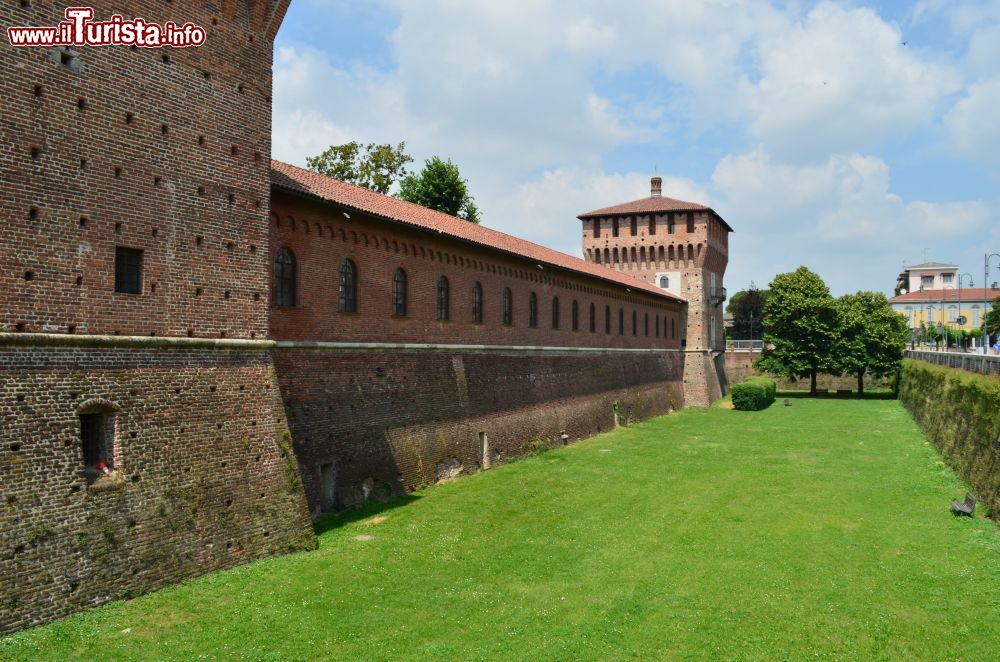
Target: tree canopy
column 872, row 336
column 747, row 309
column 800, row 327
column 992, row 320
column 440, row 186
column 376, row 168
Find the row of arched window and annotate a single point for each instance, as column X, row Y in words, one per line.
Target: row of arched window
column 285, row 284
column 639, row 255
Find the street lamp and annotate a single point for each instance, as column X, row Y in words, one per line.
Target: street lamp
column 986, row 296
column 971, row 284
column 944, row 318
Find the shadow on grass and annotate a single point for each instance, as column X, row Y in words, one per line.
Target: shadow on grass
column 337, row 520
column 836, row 395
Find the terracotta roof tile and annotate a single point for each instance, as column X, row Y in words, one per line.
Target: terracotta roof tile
column 656, row 204
column 930, row 296
column 299, row 180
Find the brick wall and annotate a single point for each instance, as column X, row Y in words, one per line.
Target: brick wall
column 204, row 474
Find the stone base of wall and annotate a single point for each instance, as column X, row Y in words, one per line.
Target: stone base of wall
column 372, row 423
column 205, row 476
column 705, row 379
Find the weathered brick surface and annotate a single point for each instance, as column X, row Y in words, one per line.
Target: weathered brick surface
column 206, row 477
column 387, row 419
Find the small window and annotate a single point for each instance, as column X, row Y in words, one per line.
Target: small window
column 645, row 325
column 614, row 228
column 657, row 326
column 593, row 318
column 635, row 323
column 533, row 311
column 690, row 222
column 947, row 279
column 633, row 227
column 665, row 282
column 671, row 228
column 284, row 278
column 128, row 270
column 607, row 319
column 508, row 307
column 555, row 312
column 652, row 224
column 621, row 321
column 477, row 304
column 673, row 328
column 597, row 228
column 927, row 281
column 443, row 303
column 399, row 293
column 575, row 315
column 97, row 437
column 348, row 287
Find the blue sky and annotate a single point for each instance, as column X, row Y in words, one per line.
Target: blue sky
column 810, row 126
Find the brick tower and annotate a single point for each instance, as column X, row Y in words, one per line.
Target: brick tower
column 679, row 246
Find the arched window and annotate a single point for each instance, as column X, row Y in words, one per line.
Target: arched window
column 633, row 260
column 642, row 254
column 621, row 321
column 690, row 252
column 399, row 293
column 444, row 305
column 575, row 315
column 597, row 256
column 670, row 253
column 659, row 252
column 284, row 278
column 593, row 318
column 607, row 319
column 348, row 288
column 607, row 256
column 533, row 310
column 508, row 307
column 477, row 303
column 555, row 312
column 614, row 255
column 665, row 282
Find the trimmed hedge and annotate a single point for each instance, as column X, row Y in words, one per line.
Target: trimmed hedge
column 960, row 412
column 754, row 393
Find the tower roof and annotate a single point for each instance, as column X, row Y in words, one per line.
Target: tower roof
column 654, row 204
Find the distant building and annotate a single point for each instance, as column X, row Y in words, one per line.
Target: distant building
column 945, row 306
column 926, row 276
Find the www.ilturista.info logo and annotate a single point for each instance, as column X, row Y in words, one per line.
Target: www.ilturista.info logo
column 79, row 30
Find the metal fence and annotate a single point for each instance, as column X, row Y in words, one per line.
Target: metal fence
column 984, row 365
column 744, row 345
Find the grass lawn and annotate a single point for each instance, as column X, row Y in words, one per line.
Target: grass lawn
column 820, row 529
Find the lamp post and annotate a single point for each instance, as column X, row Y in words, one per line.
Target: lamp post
column 923, row 336
column 986, row 297
column 944, row 318
column 971, row 284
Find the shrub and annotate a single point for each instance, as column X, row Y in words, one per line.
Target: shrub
column 960, row 412
column 753, row 394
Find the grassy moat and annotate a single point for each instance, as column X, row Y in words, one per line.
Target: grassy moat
column 817, row 529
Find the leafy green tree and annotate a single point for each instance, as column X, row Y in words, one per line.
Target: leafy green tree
column 440, row 186
column 992, row 320
column 872, row 336
column 377, row 168
column 747, row 309
column 800, row 327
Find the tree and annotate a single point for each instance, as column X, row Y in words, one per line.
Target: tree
column 746, row 307
column 440, row 186
column 872, row 336
column 800, row 327
column 377, row 168
column 991, row 323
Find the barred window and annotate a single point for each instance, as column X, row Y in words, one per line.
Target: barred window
column 399, row 293
column 128, row 270
column 284, row 278
column 533, row 311
column 555, row 312
column 477, row 303
column 348, row 287
column 508, row 307
column 443, row 303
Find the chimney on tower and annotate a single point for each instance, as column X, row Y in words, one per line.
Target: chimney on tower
column 655, row 187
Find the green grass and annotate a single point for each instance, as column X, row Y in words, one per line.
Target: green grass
column 819, row 529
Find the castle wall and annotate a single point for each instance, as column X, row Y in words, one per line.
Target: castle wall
column 167, row 151
column 204, row 476
column 390, row 420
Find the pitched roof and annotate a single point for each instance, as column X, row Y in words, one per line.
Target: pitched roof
column 972, row 294
column 932, row 265
column 291, row 178
column 653, row 204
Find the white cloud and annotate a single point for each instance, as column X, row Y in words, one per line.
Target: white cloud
column 974, row 122
column 839, row 217
column 840, row 80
